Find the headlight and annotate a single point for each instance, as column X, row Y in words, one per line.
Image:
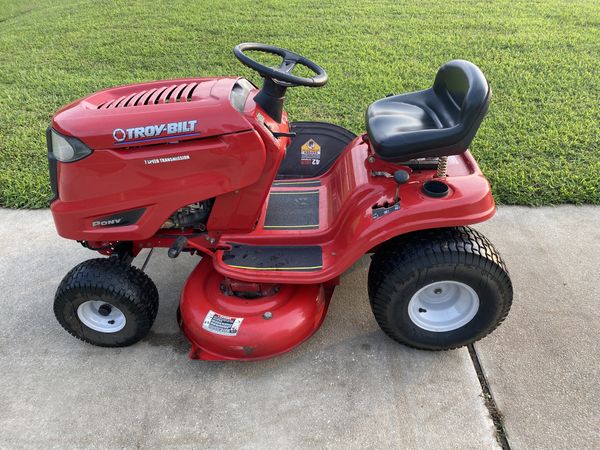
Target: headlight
column 67, row 149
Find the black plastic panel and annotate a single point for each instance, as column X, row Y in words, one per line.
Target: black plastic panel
column 313, row 150
column 293, row 210
column 52, row 166
column 119, row 219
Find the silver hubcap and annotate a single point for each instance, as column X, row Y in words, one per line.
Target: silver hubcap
column 101, row 316
column 443, row 306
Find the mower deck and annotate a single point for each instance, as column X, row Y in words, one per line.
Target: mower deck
column 255, row 328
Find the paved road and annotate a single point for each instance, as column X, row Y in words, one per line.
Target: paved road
column 347, row 387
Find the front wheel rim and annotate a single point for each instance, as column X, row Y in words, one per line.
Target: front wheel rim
column 101, row 316
column 443, row 306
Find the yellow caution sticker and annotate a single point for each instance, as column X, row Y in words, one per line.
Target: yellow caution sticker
column 310, row 153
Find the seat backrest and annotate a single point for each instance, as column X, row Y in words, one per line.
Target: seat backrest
column 463, row 94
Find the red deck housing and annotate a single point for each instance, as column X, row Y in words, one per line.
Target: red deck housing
column 271, row 325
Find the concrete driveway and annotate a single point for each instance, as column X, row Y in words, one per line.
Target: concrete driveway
column 348, row 387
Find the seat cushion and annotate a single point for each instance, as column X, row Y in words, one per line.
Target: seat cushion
column 394, row 116
column 438, row 121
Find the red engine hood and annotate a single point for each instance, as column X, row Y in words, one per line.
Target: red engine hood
column 152, row 113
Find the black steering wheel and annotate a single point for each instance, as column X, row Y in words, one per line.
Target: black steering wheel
column 282, row 74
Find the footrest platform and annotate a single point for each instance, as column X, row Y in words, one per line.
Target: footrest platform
column 274, row 257
column 293, row 210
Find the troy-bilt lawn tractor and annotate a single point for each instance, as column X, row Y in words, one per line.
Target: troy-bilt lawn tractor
column 277, row 211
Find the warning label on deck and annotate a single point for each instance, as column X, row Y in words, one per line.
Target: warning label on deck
column 224, row 325
column 310, row 153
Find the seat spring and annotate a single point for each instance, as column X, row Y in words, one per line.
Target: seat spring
column 442, row 167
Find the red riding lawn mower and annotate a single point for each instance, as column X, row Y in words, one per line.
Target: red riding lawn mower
column 277, row 211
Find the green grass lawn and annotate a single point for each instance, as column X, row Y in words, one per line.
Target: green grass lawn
column 538, row 145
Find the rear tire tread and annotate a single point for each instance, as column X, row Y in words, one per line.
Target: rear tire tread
column 461, row 246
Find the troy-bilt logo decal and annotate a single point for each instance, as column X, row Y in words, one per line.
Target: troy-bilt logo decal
column 154, row 132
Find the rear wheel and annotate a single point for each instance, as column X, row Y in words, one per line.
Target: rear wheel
column 106, row 302
column 439, row 289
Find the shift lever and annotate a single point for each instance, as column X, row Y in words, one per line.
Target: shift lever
column 400, row 177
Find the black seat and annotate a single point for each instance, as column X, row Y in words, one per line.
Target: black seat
column 438, row 121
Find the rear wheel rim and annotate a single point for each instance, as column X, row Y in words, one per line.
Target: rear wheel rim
column 101, row 316
column 443, row 306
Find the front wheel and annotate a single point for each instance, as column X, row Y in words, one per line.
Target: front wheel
column 439, row 289
column 106, row 302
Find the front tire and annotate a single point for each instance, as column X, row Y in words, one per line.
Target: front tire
column 106, row 302
column 439, row 289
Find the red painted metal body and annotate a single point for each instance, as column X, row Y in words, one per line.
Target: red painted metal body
column 347, row 229
column 117, row 178
column 233, row 157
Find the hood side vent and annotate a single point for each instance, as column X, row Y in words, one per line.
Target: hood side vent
column 174, row 93
column 118, row 102
column 189, row 91
column 153, row 99
column 143, row 100
column 166, row 94
column 127, row 100
column 134, row 98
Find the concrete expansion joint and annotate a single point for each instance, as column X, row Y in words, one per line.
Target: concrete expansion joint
column 489, row 401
